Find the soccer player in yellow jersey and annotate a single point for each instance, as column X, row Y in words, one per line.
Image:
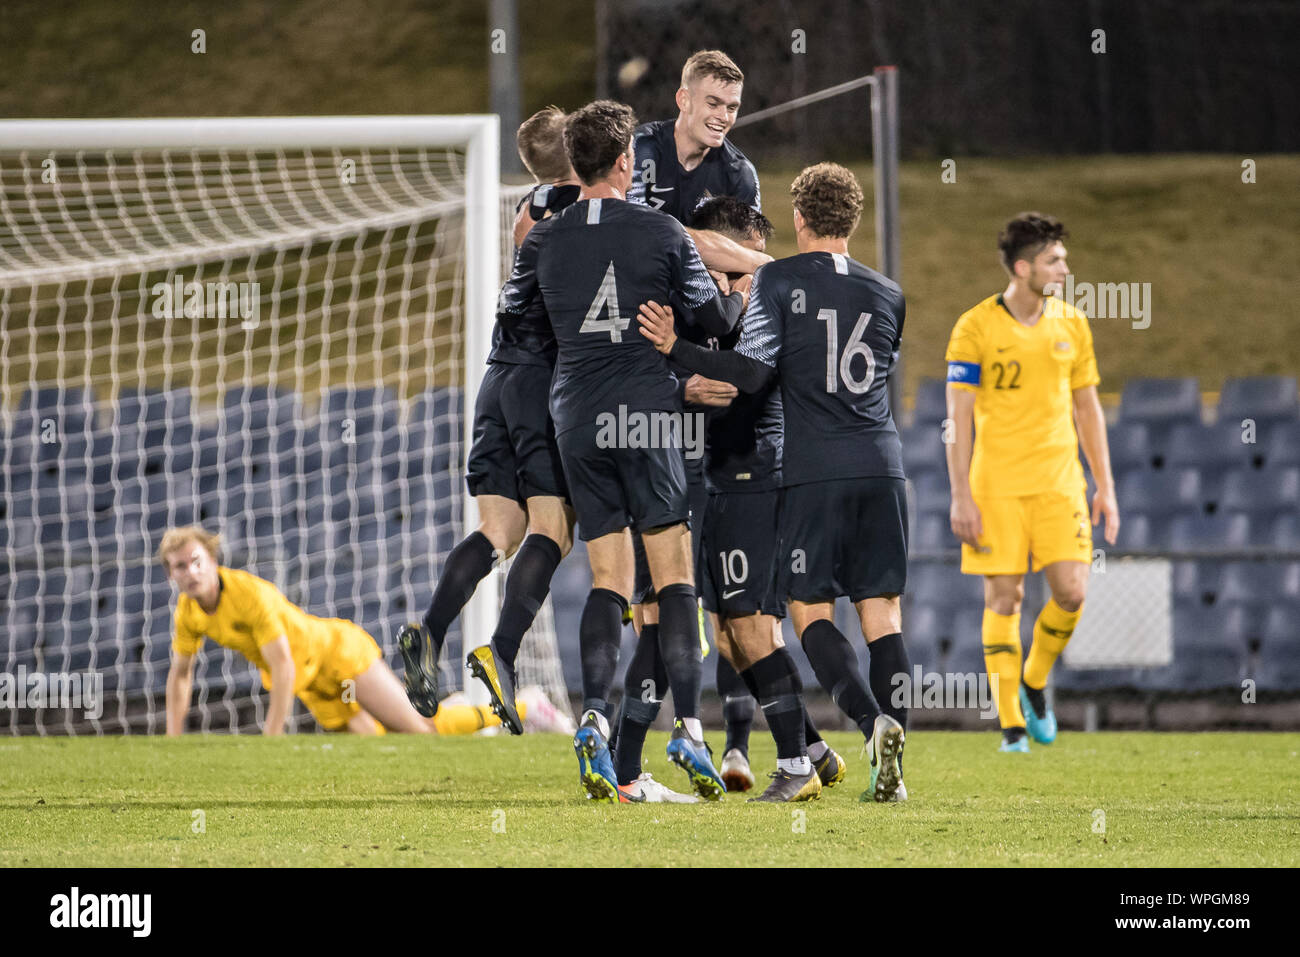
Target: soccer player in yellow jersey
column 330, row 664
column 1021, row 365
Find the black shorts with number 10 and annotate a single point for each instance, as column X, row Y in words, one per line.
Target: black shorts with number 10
column 737, row 555
column 515, row 454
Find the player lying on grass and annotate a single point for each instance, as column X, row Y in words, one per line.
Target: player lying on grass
column 590, row 263
column 1021, row 367
column 827, row 329
column 331, row 665
column 513, row 471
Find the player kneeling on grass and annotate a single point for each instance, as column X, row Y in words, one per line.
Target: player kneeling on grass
column 298, row 654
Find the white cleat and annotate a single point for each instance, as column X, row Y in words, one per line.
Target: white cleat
column 647, row 789
column 735, row 771
column 542, row 716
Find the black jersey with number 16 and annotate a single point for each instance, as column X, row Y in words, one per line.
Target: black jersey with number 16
column 831, row 328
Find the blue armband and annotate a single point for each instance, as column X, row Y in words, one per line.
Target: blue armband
column 967, row 373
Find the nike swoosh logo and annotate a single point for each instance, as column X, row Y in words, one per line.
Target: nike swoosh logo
column 662, row 189
column 1004, row 349
column 732, row 594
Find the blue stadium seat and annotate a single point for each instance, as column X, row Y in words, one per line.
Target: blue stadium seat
column 1285, row 532
column 1161, row 402
column 1162, row 494
column 942, row 585
column 1263, row 582
column 923, row 450
column 933, row 533
column 923, row 625
column 932, row 493
column 435, row 421
column 72, row 407
column 1279, row 653
column 1130, row 446
column 961, row 644
column 371, row 410
column 1197, row 582
column 1281, row 447
column 1221, row 531
column 1210, row 448
column 1268, row 491
column 931, row 403
column 1262, row 398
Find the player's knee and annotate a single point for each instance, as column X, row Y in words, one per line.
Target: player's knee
column 1070, row 599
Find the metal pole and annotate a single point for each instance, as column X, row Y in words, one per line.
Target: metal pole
column 503, row 72
column 884, row 138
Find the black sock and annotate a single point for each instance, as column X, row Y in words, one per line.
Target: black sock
column 737, row 707
column 836, row 668
column 888, row 660
column 1037, row 699
column 466, row 566
column 679, row 646
column 599, row 634
column 527, row 585
column 644, row 686
column 780, row 687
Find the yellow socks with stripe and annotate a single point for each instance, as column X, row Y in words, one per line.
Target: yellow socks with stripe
column 1052, row 633
column 468, row 718
column 1002, row 656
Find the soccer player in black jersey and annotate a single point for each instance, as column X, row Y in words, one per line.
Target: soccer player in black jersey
column 514, row 467
column 613, row 400
column 681, row 162
column 827, row 329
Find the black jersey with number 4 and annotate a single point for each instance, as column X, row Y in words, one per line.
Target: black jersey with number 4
column 528, row 339
column 831, row 328
column 594, row 264
column 660, row 182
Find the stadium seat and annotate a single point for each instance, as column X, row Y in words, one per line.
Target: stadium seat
column 1262, row 582
column 923, row 451
column 1162, row 494
column 942, row 585
column 371, row 410
column 934, row 534
column 1281, row 446
column 1161, row 402
column 923, row 628
column 932, row 494
column 931, row 403
column 1279, row 654
column 1202, row 532
column 1261, row 398
column 1211, row 448
column 1268, row 491
column 434, row 431
column 73, row 407
column 1285, row 532
column 1130, row 447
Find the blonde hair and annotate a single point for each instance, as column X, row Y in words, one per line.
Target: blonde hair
column 541, row 145
column 175, row 538
column 712, row 63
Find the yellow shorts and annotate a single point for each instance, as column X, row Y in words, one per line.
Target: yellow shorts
column 352, row 652
column 1053, row 526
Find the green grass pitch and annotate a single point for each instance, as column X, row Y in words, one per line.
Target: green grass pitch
column 1108, row 799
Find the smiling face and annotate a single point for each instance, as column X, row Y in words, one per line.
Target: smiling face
column 1047, row 269
column 709, row 107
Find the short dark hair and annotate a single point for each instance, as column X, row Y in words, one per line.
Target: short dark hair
column 1027, row 235
column 732, row 218
column 596, row 136
column 829, row 199
column 541, row 145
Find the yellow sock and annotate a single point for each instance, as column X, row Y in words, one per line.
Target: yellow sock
column 468, row 718
column 1052, row 633
column 1002, row 654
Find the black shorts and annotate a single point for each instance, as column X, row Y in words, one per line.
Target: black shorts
column 514, row 453
column 843, row 537
column 621, row 488
column 643, row 589
column 737, row 570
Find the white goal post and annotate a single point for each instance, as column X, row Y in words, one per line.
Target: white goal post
column 85, row 203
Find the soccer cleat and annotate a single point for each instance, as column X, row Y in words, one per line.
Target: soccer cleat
column 488, row 668
column 1042, row 730
column 736, row 774
column 830, row 769
column 542, row 716
column 419, row 669
column 595, row 767
column 695, row 758
column 883, row 751
column 646, row 789
column 788, row 788
column 1019, row 746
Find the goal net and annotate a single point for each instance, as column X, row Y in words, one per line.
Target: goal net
column 273, row 328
